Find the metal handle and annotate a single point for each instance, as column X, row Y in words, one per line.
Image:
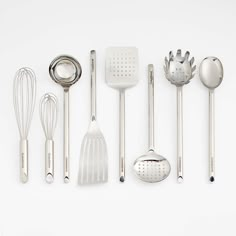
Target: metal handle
column 49, row 161
column 24, row 160
column 93, row 83
column 122, row 136
column 66, row 137
column 151, row 107
column 211, row 136
column 179, row 134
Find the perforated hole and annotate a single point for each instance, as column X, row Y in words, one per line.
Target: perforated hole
column 153, row 170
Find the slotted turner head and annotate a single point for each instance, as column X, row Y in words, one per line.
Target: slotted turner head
column 93, row 166
column 122, row 67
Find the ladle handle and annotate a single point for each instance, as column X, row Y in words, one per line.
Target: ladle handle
column 122, row 137
column 211, row 136
column 179, row 134
column 151, row 107
column 66, row 137
column 93, row 83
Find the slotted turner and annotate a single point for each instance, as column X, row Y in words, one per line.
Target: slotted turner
column 122, row 73
column 93, row 164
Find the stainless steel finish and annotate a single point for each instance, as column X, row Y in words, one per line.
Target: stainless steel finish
column 180, row 133
column 151, row 115
column 179, row 71
column 93, row 164
column 122, row 73
column 151, row 167
column 24, row 93
column 48, row 110
column 122, row 136
column 211, row 75
column 65, row 70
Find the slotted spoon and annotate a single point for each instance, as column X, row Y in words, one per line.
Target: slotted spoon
column 151, row 167
column 93, row 164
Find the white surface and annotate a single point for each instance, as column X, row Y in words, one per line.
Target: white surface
column 34, row 32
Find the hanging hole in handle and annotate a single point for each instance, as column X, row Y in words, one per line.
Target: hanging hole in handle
column 49, row 178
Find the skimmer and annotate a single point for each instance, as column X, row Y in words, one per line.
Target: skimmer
column 151, row 167
column 93, row 164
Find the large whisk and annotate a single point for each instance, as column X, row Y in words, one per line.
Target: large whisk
column 24, row 102
column 48, row 110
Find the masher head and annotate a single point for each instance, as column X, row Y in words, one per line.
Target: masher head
column 122, row 67
column 152, row 167
column 179, row 69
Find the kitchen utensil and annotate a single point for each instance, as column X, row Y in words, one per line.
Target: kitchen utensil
column 179, row 71
column 48, row 110
column 65, row 70
column 122, row 73
column 24, row 102
column 151, row 167
column 93, row 165
column 211, row 75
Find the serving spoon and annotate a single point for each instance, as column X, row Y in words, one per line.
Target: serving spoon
column 211, row 75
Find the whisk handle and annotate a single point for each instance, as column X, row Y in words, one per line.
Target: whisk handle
column 24, row 160
column 49, row 161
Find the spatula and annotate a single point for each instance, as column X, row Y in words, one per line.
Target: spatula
column 93, row 164
column 122, row 73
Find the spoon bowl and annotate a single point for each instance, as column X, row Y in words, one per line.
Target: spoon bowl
column 152, row 167
column 211, row 72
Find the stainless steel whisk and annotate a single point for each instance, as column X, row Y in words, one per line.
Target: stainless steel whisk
column 48, row 110
column 24, row 93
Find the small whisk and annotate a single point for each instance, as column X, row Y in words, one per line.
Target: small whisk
column 24, row 93
column 48, row 110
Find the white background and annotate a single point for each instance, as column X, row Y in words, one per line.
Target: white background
column 32, row 33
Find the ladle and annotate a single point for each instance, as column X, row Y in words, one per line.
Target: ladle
column 65, row 70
